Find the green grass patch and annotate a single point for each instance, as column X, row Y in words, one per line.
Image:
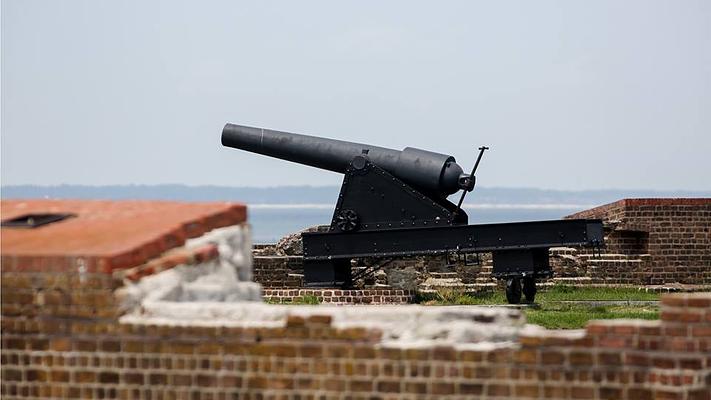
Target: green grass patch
column 577, row 316
column 446, row 297
column 551, row 309
column 569, row 293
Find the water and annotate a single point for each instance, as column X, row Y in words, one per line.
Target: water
column 271, row 222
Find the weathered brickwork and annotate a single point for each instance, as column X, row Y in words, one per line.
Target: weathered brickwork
column 580, row 267
column 32, row 295
column 107, row 235
column 171, row 259
column 278, row 271
column 71, row 345
column 338, row 296
column 61, row 338
column 675, row 233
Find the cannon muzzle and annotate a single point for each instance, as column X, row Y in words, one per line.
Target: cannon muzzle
column 428, row 171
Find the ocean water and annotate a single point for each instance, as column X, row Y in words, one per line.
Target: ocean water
column 273, row 221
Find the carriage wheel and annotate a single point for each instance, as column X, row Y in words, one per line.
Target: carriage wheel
column 513, row 290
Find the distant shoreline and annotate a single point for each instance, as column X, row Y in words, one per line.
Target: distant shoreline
column 315, row 197
column 484, row 206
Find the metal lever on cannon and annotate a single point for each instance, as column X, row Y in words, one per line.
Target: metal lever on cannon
column 468, row 183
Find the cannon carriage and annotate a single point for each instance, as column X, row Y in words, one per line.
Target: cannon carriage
column 394, row 204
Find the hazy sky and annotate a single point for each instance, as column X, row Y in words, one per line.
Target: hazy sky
column 568, row 94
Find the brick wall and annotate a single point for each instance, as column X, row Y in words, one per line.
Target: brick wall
column 676, row 233
column 61, row 338
column 106, row 236
column 339, row 296
column 278, row 271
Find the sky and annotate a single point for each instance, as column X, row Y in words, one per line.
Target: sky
column 568, row 95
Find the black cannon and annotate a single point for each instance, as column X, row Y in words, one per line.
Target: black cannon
column 394, row 204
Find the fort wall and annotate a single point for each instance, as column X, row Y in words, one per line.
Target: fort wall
column 72, row 327
column 657, row 243
column 671, row 238
column 62, row 337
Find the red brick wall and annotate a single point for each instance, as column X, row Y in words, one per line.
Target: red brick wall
column 278, row 271
column 61, row 338
column 107, row 235
column 338, row 296
column 675, row 232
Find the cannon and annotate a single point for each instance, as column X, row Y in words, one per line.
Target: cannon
column 394, row 203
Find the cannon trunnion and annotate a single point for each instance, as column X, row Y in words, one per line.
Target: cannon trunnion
column 393, row 204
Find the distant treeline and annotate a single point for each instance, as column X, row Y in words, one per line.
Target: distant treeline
column 317, row 194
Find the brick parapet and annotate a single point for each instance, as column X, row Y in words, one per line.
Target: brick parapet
column 614, row 207
column 170, row 259
column 52, row 350
column 106, row 236
column 61, row 338
column 675, row 233
column 58, row 295
column 278, row 271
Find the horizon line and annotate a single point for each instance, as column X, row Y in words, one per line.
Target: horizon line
column 196, row 186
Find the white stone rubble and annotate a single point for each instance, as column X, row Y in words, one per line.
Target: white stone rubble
column 401, row 325
column 224, row 279
column 220, row 293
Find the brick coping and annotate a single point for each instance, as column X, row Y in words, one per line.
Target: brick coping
column 107, row 235
column 171, row 259
column 637, row 202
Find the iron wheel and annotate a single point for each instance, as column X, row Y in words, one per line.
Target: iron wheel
column 513, row 290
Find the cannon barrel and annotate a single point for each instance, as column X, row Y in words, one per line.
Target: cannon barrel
column 431, row 172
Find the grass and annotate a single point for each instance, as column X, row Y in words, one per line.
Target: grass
column 569, row 293
column 576, row 316
column 553, row 312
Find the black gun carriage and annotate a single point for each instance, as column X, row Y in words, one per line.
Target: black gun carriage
column 394, row 204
